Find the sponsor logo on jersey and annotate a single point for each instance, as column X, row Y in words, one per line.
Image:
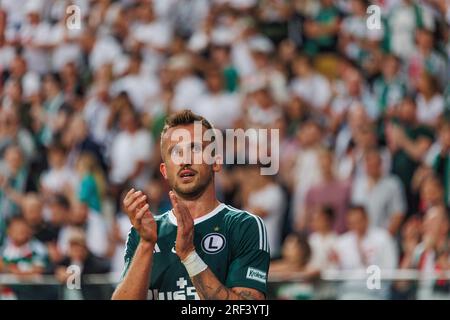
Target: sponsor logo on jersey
column 257, row 275
column 156, row 249
column 213, row 243
column 185, row 293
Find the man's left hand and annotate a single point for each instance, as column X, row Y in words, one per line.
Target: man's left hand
column 184, row 244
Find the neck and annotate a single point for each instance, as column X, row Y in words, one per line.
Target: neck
column 202, row 205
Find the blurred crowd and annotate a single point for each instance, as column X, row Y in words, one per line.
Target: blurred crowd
column 363, row 115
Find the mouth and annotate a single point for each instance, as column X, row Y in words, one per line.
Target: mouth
column 187, row 175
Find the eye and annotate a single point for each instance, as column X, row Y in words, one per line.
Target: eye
column 196, row 148
column 176, row 151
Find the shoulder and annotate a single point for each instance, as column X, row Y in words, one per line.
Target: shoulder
column 247, row 229
column 242, row 217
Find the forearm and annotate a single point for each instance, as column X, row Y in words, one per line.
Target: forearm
column 210, row 288
column 135, row 284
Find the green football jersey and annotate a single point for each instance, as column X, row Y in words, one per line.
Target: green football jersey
column 233, row 243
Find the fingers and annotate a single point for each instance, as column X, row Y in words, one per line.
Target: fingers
column 180, row 211
column 141, row 212
column 131, row 195
column 138, row 203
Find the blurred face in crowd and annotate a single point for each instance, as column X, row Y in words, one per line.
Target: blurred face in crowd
column 32, row 209
column 357, row 221
column 320, row 222
column 220, row 55
column 77, row 250
column 58, row 213
column 301, row 66
column 373, row 164
column 309, row 134
column 353, row 82
column 14, row 91
column 444, row 136
column 128, row 121
column 390, row 66
column 431, row 191
column 14, row 158
column 80, row 214
column 357, row 118
column 424, row 39
column 407, row 111
column 435, row 224
column 18, row 67
column 19, row 232
column 189, row 180
column 326, row 162
column 295, row 251
column 365, row 137
column 50, row 86
column 214, row 81
column 57, row 157
column 262, row 98
column 358, row 7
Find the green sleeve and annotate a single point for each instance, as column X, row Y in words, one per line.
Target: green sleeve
column 250, row 259
column 131, row 245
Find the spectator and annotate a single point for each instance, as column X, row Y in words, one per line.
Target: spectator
column 361, row 247
column 13, row 182
column 130, row 152
column 431, row 255
column 79, row 255
column 296, row 255
column 383, row 196
column 91, row 189
column 408, row 142
column 265, row 198
column 331, row 191
column 96, row 230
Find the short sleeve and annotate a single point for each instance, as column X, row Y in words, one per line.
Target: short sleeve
column 250, row 259
column 130, row 248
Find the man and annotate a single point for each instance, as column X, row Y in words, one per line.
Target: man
column 382, row 195
column 201, row 249
column 361, row 247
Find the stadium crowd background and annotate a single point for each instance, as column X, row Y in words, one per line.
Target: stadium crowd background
column 364, row 120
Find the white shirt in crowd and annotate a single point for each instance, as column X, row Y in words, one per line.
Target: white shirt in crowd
column 56, row 180
column 139, row 87
column 428, row 112
column 382, row 200
column 126, row 151
column 117, row 261
column 378, row 248
column 314, row 90
column 96, row 235
column 222, row 109
column 272, row 201
column 187, row 92
column 322, row 248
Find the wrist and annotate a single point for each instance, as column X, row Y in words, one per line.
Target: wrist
column 147, row 245
column 183, row 255
column 194, row 264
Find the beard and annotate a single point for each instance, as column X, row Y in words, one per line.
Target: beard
column 195, row 189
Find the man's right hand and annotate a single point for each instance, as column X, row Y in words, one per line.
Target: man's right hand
column 140, row 216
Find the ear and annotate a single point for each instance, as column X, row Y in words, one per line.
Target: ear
column 162, row 169
column 217, row 165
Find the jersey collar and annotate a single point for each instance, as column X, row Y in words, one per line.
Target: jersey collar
column 211, row 214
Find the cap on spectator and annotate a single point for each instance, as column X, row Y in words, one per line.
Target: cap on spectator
column 261, row 44
column 35, row 6
column 77, row 236
column 179, row 62
column 221, row 37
